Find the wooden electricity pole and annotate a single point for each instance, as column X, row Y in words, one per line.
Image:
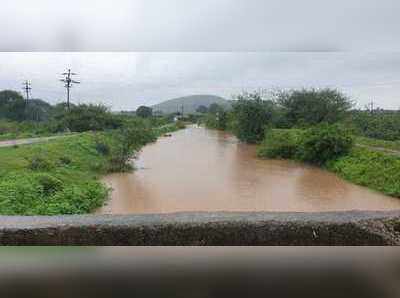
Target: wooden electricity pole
column 68, row 84
column 27, row 88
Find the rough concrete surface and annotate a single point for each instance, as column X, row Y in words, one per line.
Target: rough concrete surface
column 220, row 228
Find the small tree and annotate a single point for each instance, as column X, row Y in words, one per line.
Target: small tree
column 129, row 140
column 88, row 117
column 305, row 107
column 144, row 112
column 214, row 108
column 202, row 109
column 252, row 114
column 12, row 105
column 324, row 142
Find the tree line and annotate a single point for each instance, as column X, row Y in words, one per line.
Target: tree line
column 253, row 112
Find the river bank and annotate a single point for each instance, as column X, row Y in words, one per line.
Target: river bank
column 369, row 163
column 62, row 176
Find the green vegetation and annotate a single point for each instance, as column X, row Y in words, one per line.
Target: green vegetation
column 375, row 170
column 378, row 124
column 316, row 145
column 280, row 143
column 322, row 143
column 305, row 108
column 13, row 107
column 144, row 112
column 85, row 117
column 61, row 176
column 329, row 146
column 251, row 114
column 378, row 144
column 58, row 177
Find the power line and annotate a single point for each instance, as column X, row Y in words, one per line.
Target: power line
column 68, row 84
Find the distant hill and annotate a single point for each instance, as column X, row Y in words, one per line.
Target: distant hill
column 190, row 103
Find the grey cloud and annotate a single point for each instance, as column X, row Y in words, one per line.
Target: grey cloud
column 127, row 80
column 192, row 25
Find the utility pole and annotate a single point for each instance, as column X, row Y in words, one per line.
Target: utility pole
column 27, row 88
column 68, row 83
column 182, row 110
column 371, row 106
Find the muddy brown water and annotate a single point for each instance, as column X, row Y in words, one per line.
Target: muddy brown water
column 205, row 170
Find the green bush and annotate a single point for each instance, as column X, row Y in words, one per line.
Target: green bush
column 128, row 141
column 102, row 148
column 44, row 194
column 39, row 162
column 375, row 170
column 252, row 114
column 64, row 160
column 279, row 143
column 383, row 125
column 87, row 118
column 49, row 183
column 324, row 142
column 307, row 107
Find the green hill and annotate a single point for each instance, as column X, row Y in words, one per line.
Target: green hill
column 189, row 103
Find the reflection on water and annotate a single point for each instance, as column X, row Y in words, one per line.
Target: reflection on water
column 205, row 170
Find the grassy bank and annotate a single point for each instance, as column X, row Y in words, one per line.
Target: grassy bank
column 363, row 166
column 380, row 144
column 375, row 170
column 62, row 176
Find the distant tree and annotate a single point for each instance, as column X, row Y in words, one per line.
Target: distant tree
column 88, row 117
column 12, row 105
column 144, row 112
column 252, row 114
column 202, row 109
column 222, row 120
column 214, row 108
column 308, row 107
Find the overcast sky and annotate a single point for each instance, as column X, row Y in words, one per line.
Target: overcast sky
column 200, row 25
column 168, row 48
column 127, row 80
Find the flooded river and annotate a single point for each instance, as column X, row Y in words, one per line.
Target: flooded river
column 204, row 170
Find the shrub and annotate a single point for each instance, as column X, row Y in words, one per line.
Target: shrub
column 77, row 199
column 102, row 148
column 87, row 117
column 384, row 125
column 307, row 107
column 144, row 112
column 19, row 194
column 324, row 142
column 49, row 183
column 65, row 160
column 375, row 170
column 279, row 143
column 40, row 163
column 252, row 113
column 44, row 194
column 127, row 142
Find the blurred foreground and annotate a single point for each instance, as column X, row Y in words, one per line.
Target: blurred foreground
column 200, row 272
